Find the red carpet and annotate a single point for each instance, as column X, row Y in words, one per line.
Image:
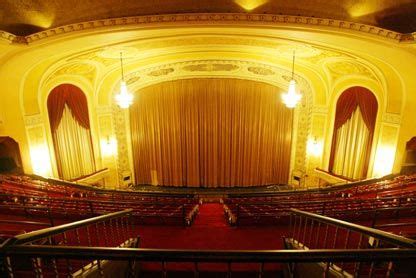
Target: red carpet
column 210, row 215
column 211, row 231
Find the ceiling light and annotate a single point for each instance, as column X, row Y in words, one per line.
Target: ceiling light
column 123, row 99
column 291, row 98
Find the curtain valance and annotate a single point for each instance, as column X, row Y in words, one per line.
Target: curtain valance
column 74, row 98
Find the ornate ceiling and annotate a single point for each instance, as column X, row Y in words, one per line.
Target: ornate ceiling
column 24, row 17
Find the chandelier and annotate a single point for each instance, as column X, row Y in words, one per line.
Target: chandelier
column 291, row 98
column 123, row 99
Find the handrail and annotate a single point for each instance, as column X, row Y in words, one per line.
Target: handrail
column 39, row 234
column 346, row 212
column 385, row 236
column 25, row 222
column 341, row 177
column 110, row 191
column 89, row 175
column 17, row 206
column 343, row 186
column 178, row 255
column 87, row 200
column 332, row 201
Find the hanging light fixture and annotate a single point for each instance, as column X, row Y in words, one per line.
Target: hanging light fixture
column 124, row 99
column 291, row 98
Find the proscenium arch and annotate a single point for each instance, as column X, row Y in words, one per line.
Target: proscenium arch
column 302, row 124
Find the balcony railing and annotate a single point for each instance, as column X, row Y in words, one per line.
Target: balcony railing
column 346, row 244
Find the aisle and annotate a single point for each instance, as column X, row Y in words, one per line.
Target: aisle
column 211, row 231
column 210, row 215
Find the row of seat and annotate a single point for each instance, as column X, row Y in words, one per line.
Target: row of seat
column 22, row 195
column 398, row 193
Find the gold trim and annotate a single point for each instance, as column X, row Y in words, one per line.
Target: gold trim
column 211, row 18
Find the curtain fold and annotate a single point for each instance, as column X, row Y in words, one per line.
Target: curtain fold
column 352, row 100
column 211, row 132
column 73, row 143
column 353, row 139
column 70, row 127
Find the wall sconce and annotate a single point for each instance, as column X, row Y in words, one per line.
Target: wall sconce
column 108, row 146
column 384, row 160
column 41, row 163
column 315, row 147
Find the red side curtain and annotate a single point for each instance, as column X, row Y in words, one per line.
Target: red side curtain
column 346, row 105
column 75, row 99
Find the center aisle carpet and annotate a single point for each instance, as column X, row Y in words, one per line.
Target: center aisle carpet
column 211, row 231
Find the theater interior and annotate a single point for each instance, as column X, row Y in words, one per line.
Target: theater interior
column 233, row 138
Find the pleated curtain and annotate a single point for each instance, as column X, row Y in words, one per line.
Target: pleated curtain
column 353, row 133
column 70, row 126
column 210, row 133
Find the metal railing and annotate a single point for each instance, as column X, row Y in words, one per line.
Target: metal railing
column 134, row 259
column 115, row 224
column 340, row 249
column 310, row 231
column 110, row 230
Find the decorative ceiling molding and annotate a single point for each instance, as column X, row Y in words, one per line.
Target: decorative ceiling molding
column 10, row 37
column 320, row 109
column 260, row 70
column 212, row 18
column 203, row 68
column 341, row 68
column 392, row 118
column 161, row 72
column 88, row 71
column 33, row 120
column 102, row 110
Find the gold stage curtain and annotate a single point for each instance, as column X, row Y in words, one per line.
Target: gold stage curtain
column 210, row 132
